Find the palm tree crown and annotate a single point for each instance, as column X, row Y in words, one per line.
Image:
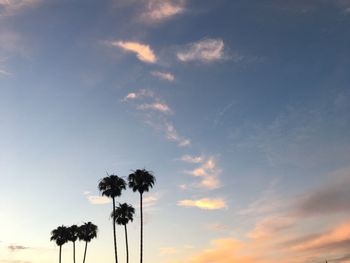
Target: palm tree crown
column 124, row 213
column 112, row 186
column 87, row 232
column 141, row 180
column 73, row 232
column 60, row 235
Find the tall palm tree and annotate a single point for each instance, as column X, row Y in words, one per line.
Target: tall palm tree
column 141, row 181
column 87, row 232
column 73, row 232
column 112, row 186
column 124, row 213
column 60, row 236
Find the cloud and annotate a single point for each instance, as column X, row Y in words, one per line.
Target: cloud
column 192, row 159
column 4, row 72
column 14, row 248
column 172, row 135
column 143, row 52
column 150, row 200
column 217, row 227
column 269, row 227
column 337, row 238
column 143, row 93
column 159, row 10
column 157, row 106
column 96, row 199
column 205, row 203
column 329, row 199
column 208, row 172
column 206, row 50
column 163, row 75
column 12, row 7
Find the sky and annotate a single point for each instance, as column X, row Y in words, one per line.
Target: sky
column 241, row 109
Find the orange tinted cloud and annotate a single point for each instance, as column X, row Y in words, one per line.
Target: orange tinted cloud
column 143, row 52
column 205, row 203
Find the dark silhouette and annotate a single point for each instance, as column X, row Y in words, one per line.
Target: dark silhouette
column 112, row 186
column 60, row 236
column 141, row 181
column 87, row 232
column 73, row 236
column 124, row 213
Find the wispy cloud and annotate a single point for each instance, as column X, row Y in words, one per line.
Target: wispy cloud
column 159, row 10
column 14, row 248
column 157, row 114
column 192, row 159
column 206, row 50
column 143, row 52
column 12, row 7
column 96, row 199
column 269, row 227
column 157, row 106
column 205, row 203
column 164, row 75
column 208, row 171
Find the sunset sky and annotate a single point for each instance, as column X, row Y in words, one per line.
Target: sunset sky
column 240, row 108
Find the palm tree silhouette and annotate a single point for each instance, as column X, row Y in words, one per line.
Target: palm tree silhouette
column 87, row 232
column 123, row 214
column 141, row 181
column 73, row 236
column 60, row 236
column 112, row 186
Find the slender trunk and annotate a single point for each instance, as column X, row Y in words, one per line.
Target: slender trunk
column 85, row 251
column 114, row 233
column 74, row 251
column 127, row 245
column 60, row 253
column 141, row 238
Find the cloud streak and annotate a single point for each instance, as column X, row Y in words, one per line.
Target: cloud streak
column 204, row 203
column 160, row 10
column 143, row 52
column 206, row 50
column 163, row 75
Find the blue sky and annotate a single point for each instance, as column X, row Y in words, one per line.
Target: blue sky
column 240, row 108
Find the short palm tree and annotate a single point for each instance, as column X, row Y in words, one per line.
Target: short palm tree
column 124, row 213
column 60, row 236
column 141, row 181
column 87, row 232
column 112, row 186
column 73, row 232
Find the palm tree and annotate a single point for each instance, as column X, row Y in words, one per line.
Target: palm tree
column 141, row 181
column 112, row 186
column 124, row 213
column 87, row 232
column 60, row 236
column 73, row 236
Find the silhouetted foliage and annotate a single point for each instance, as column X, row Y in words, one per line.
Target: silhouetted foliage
column 60, row 235
column 123, row 214
column 73, row 236
column 87, row 232
column 141, row 181
column 112, row 186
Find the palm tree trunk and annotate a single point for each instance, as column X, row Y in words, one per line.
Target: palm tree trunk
column 127, row 245
column 85, row 251
column 74, row 252
column 141, row 238
column 60, row 254
column 114, row 233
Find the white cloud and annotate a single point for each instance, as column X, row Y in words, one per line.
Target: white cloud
column 208, row 172
column 205, row 203
column 12, row 7
column 192, row 159
column 206, row 50
column 159, row 10
column 157, row 106
column 143, row 52
column 96, row 199
column 172, row 135
column 164, row 75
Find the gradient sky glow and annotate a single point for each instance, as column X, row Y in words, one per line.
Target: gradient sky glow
column 240, row 108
